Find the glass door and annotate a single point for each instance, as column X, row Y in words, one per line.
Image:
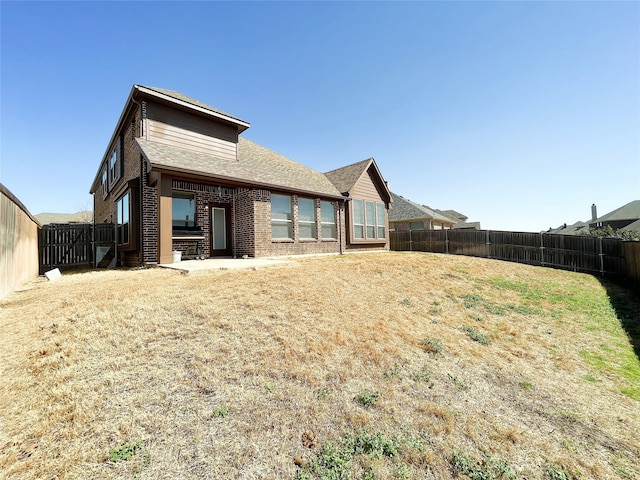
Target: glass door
column 218, row 230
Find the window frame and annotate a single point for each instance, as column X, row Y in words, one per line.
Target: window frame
column 357, row 236
column 191, row 225
column 324, row 224
column 380, row 223
column 373, row 226
column 105, row 183
column 121, row 225
column 279, row 222
column 308, row 223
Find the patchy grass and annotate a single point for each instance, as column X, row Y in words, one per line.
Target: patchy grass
column 355, row 366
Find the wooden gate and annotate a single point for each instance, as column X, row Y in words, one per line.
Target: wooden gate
column 65, row 246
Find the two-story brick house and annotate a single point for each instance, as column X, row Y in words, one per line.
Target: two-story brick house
column 177, row 174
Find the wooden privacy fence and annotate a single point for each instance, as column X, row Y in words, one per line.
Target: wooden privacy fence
column 604, row 256
column 18, row 243
column 73, row 245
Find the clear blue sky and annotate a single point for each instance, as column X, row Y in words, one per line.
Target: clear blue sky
column 518, row 114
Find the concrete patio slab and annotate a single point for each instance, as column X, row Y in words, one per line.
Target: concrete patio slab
column 211, row 264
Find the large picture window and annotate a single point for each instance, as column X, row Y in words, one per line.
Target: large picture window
column 123, row 207
column 183, row 207
column 306, row 218
column 281, row 217
column 368, row 220
column 328, row 220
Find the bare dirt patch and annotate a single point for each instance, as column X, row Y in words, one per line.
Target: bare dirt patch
column 369, row 360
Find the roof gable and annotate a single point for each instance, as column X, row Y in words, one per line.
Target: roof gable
column 347, row 177
column 256, row 165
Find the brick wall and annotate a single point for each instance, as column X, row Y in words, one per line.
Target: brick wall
column 266, row 247
column 205, row 195
column 245, row 231
column 149, row 218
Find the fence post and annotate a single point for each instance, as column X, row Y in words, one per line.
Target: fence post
column 488, row 246
column 601, row 255
column 446, row 241
column 410, row 241
column 542, row 248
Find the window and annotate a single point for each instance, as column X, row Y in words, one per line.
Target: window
column 183, row 207
column 123, row 219
column 380, row 233
column 358, row 219
column 416, row 226
column 306, row 218
column 281, row 217
column 105, row 186
column 368, row 220
column 328, row 219
column 112, row 165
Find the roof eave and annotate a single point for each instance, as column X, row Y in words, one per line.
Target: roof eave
column 238, row 181
column 240, row 124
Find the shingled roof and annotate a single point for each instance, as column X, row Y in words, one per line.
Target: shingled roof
column 345, row 178
column 183, row 98
column 256, row 165
column 630, row 211
column 406, row 210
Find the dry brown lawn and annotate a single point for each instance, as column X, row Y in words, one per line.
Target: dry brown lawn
column 260, row 374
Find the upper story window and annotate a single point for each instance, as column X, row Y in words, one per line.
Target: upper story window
column 368, row 220
column 183, row 208
column 105, row 185
column 328, row 219
column 114, row 164
column 113, row 160
column 307, row 218
column 281, row 217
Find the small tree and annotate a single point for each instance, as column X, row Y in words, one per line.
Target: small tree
column 609, row 232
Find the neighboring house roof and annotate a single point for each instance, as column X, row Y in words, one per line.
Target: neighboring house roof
column 406, row 210
column 630, row 211
column 635, row 227
column 453, row 214
column 570, row 229
column 256, row 165
column 345, row 178
column 467, row 226
column 84, row 216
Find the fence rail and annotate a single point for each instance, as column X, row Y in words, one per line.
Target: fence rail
column 72, row 245
column 603, row 256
